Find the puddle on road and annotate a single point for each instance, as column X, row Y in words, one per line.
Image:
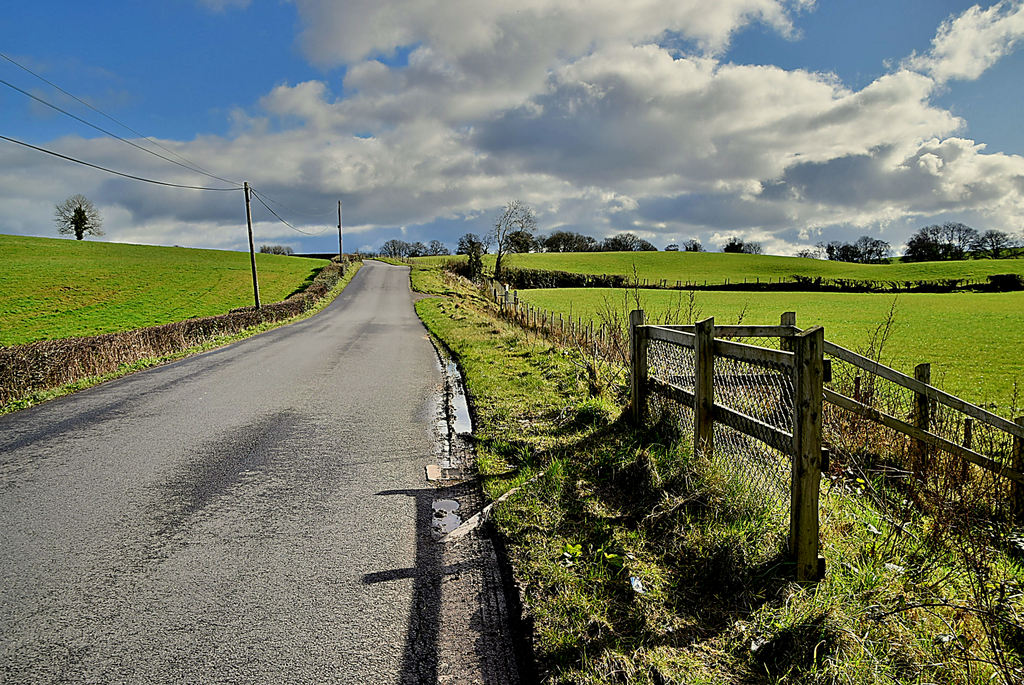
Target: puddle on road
column 445, row 519
column 461, row 422
column 453, row 418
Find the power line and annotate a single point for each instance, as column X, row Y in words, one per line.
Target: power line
column 103, row 130
column 194, row 166
column 269, row 209
column 319, row 215
column 111, row 171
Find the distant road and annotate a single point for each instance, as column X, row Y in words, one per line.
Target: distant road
column 218, row 519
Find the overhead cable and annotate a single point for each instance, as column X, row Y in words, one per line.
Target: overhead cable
column 319, row 215
column 103, row 130
column 195, row 166
column 111, row 171
column 268, row 208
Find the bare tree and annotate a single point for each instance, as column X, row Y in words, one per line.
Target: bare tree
column 517, row 216
column 395, row 248
column 994, row 242
column 78, row 216
column 960, row 238
column 436, row 248
column 276, row 249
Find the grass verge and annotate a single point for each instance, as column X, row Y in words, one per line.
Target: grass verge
column 640, row 564
column 149, row 362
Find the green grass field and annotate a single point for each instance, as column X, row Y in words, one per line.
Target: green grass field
column 973, row 340
column 716, row 267
column 52, row 288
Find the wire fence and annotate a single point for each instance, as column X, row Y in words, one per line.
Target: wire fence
column 951, row 452
column 967, row 452
column 891, row 436
column 763, row 392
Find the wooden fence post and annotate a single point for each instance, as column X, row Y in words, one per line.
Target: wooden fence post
column 637, row 365
column 921, row 419
column 808, row 372
column 1017, row 462
column 968, row 440
column 786, row 345
column 703, row 388
column 787, row 319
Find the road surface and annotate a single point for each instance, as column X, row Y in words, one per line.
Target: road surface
column 257, row 513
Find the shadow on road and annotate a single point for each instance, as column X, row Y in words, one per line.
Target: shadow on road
column 419, row 663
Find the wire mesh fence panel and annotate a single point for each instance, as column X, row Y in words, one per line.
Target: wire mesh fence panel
column 765, row 393
column 895, row 464
column 762, row 391
column 671, row 363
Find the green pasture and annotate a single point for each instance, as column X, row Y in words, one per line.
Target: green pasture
column 53, row 288
column 718, row 267
column 974, row 341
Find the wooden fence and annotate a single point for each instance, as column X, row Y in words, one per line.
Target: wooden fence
column 801, row 356
column 808, row 358
column 811, row 400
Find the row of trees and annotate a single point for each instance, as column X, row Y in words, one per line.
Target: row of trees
column 864, row 250
column 956, row 241
column 401, row 249
column 949, row 241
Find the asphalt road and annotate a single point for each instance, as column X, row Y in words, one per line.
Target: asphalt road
column 246, row 515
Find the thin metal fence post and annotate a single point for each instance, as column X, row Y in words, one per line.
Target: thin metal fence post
column 1017, row 462
column 808, row 377
column 637, row 365
column 921, row 419
column 704, row 392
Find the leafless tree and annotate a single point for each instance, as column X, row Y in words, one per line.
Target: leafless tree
column 994, row 242
column 78, row 216
column 517, row 216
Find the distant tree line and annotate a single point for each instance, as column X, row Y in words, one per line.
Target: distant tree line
column 736, row 245
column 400, row 249
column 949, row 241
column 864, row 250
column 276, row 249
column 570, row 241
column 518, row 241
column 956, row 241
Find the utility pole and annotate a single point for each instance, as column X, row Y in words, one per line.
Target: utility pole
column 341, row 250
column 252, row 248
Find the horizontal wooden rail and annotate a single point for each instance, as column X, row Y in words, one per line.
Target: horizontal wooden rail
column 753, row 354
column 742, row 331
column 930, row 391
column 759, row 430
column 913, row 431
column 668, row 335
column 671, row 391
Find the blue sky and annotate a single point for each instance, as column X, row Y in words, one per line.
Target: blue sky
column 782, row 121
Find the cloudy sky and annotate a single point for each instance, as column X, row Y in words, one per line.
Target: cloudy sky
column 783, row 121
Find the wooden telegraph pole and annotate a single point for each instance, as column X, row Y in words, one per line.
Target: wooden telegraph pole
column 252, row 248
column 341, row 249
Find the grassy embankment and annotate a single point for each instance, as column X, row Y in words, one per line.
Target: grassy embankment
column 718, row 267
column 51, row 288
column 711, row 601
column 972, row 340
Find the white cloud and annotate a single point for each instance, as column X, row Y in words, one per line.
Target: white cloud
column 965, row 46
column 491, row 33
